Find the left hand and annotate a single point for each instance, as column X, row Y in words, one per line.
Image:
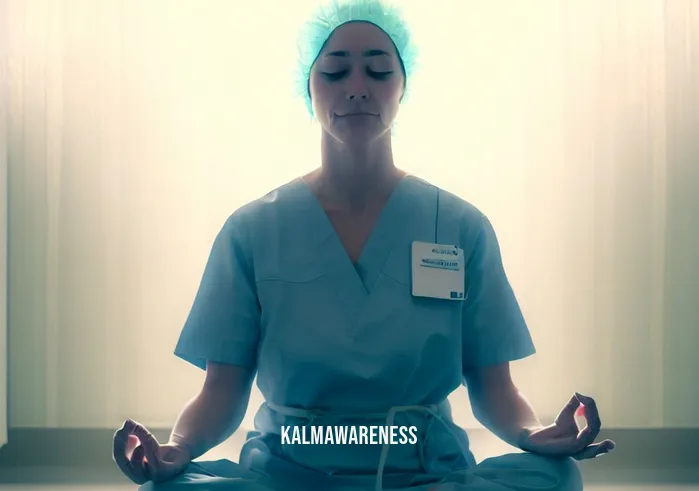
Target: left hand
column 564, row 439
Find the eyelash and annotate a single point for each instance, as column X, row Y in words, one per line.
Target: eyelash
column 333, row 77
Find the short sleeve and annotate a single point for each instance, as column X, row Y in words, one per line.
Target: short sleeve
column 494, row 329
column 224, row 323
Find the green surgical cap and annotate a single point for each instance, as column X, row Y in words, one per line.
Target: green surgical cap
column 331, row 15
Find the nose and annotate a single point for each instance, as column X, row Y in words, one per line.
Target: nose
column 356, row 87
column 352, row 95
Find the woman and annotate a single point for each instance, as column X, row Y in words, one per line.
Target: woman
column 318, row 288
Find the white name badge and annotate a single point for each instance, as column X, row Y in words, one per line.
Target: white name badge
column 438, row 271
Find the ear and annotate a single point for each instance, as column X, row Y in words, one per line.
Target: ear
column 405, row 83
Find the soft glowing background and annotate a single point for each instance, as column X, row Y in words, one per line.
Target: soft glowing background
column 135, row 128
column 3, row 223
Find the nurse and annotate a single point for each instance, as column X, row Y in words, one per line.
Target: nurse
column 360, row 296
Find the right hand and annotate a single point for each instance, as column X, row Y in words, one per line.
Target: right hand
column 564, row 439
column 139, row 455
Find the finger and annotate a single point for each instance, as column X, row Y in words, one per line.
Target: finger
column 126, row 468
column 119, row 451
column 606, row 445
column 121, row 438
column 119, row 443
column 591, row 412
column 137, row 467
column 595, row 450
column 568, row 412
column 131, row 446
column 557, row 446
column 137, row 456
column 587, row 453
column 587, row 436
column 149, row 443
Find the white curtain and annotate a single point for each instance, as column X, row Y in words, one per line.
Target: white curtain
column 136, row 128
column 3, row 223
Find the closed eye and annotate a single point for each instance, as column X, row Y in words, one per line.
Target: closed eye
column 335, row 76
column 379, row 75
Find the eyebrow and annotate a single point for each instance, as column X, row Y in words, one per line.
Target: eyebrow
column 368, row 53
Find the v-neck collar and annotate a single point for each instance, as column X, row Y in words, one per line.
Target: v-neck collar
column 361, row 275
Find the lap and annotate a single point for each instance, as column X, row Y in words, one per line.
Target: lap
column 221, row 475
column 527, row 471
column 510, row 472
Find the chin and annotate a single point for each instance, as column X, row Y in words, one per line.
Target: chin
column 360, row 136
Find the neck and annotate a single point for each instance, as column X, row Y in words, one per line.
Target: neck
column 356, row 177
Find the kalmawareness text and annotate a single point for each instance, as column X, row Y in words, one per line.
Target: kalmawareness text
column 349, row 435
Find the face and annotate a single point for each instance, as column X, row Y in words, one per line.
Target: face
column 356, row 84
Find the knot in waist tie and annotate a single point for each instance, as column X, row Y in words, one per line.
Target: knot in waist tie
column 434, row 412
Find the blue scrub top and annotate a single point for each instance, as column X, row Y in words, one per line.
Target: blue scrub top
column 280, row 294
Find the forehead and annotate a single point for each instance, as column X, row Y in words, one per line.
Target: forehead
column 358, row 38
